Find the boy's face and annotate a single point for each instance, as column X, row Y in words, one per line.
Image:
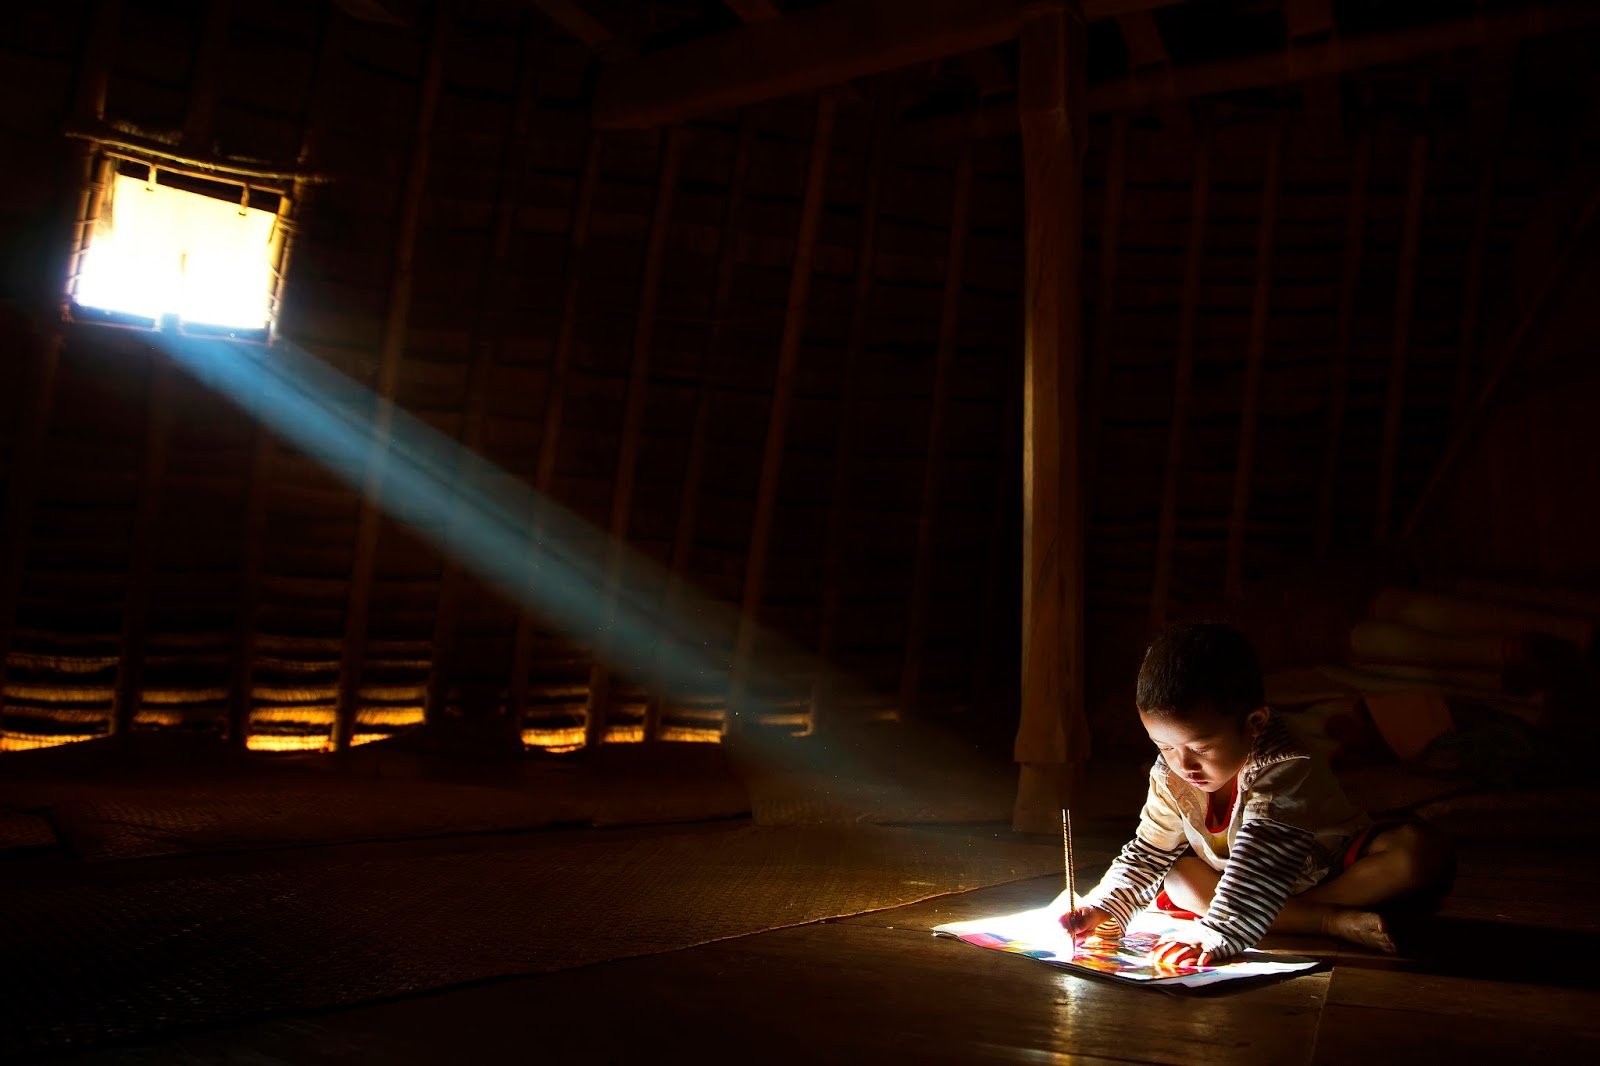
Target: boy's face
column 1205, row 747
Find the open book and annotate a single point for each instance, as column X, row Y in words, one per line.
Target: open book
column 1037, row 934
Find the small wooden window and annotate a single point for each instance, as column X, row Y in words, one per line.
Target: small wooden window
column 163, row 247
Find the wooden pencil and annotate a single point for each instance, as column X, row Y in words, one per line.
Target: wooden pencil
column 1072, row 892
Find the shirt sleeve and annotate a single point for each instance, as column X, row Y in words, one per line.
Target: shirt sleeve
column 1265, row 859
column 1137, row 871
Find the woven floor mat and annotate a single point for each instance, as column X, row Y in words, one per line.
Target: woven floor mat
column 123, row 957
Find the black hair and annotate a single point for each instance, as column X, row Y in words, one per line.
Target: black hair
column 1200, row 666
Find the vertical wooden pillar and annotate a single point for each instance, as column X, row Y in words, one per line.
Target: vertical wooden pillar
column 849, row 397
column 1183, row 377
column 1355, row 230
column 599, row 697
column 1405, row 291
column 129, row 686
column 794, row 321
column 263, row 445
column 700, row 430
column 550, row 432
column 483, row 348
column 1007, row 441
column 391, row 351
column 86, row 176
column 949, row 323
column 1053, row 732
column 128, row 690
column 1255, row 360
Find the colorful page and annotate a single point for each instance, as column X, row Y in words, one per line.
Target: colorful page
column 1037, row 934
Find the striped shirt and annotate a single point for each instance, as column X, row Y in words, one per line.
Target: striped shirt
column 1287, row 823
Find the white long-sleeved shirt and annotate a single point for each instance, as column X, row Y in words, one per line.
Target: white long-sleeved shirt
column 1289, row 824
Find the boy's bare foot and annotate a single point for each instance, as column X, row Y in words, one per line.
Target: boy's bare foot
column 1366, row 928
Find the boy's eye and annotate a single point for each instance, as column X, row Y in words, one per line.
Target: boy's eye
column 1201, row 751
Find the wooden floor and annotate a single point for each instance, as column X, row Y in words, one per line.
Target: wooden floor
column 1507, row 979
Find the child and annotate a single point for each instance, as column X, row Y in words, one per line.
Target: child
column 1244, row 829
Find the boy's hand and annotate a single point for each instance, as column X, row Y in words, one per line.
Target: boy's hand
column 1179, row 955
column 1080, row 922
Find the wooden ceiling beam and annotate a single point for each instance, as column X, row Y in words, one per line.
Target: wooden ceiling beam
column 751, row 12
column 571, row 17
column 1316, row 58
column 808, row 50
column 797, row 54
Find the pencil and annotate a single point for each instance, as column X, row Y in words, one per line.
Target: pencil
column 1066, row 852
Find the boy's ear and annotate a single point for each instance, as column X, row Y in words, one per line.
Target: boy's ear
column 1256, row 721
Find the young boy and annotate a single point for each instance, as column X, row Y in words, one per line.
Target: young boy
column 1242, row 827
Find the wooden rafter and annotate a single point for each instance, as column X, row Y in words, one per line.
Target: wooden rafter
column 599, row 698
column 700, row 429
column 491, row 291
column 1399, row 351
column 799, row 53
column 1302, row 61
column 845, row 438
column 751, row 12
column 1255, row 358
column 932, row 468
column 1355, row 230
column 571, row 16
column 391, row 351
column 783, row 387
column 554, row 408
column 1178, row 424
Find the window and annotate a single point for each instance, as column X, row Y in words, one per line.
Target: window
column 164, row 245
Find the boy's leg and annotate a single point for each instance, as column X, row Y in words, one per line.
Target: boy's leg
column 1408, row 861
column 1191, row 883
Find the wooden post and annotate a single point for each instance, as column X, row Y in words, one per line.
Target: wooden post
column 129, row 686
column 87, row 176
column 1100, row 357
column 932, row 467
column 202, row 113
column 1053, row 733
column 632, row 430
column 1007, row 442
column 1355, row 229
column 263, row 445
column 391, row 351
column 550, row 431
column 1255, row 358
column 1405, row 289
column 1183, row 376
column 700, row 431
column 1491, row 99
column 483, row 346
column 1534, row 312
column 128, row 690
column 794, row 320
column 849, row 397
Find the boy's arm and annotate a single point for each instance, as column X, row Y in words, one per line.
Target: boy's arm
column 1137, row 871
column 1132, row 880
column 1265, row 859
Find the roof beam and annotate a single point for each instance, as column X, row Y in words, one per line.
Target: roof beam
column 808, row 50
column 1316, row 58
column 796, row 54
column 751, row 12
column 575, row 20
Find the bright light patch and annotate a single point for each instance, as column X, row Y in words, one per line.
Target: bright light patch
column 162, row 251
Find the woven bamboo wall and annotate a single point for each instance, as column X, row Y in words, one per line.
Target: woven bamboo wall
column 181, row 564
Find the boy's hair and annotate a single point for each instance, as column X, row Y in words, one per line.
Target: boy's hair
column 1200, row 666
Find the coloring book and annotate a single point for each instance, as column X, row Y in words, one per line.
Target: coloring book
column 1037, row 934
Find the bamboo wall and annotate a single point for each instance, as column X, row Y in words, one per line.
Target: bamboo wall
column 1333, row 252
